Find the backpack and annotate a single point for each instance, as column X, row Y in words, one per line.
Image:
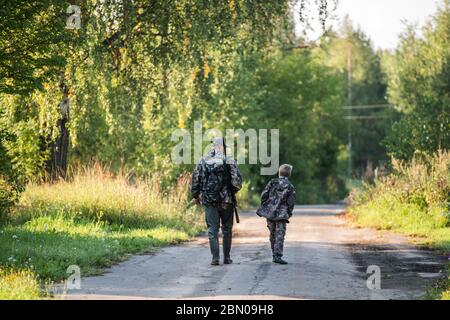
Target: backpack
column 214, row 182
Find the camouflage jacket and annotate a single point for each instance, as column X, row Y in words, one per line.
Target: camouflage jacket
column 209, row 180
column 277, row 200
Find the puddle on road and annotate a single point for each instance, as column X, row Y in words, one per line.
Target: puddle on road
column 402, row 268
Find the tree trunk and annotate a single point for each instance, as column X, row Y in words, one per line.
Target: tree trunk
column 57, row 164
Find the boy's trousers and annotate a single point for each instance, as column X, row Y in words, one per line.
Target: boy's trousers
column 277, row 233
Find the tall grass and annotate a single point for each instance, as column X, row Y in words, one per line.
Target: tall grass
column 97, row 195
column 93, row 220
column 18, row 285
column 413, row 200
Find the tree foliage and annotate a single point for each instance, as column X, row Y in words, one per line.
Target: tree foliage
column 298, row 94
column 31, row 34
column 351, row 52
column 137, row 70
column 419, row 87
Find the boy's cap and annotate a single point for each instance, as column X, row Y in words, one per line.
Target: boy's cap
column 285, row 170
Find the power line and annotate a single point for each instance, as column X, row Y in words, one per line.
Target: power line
column 364, row 117
column 364, row 107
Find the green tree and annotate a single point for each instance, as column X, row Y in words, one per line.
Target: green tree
column 120, row 85
column 31, row 35
column 419, row 87
column 299, row 96
column 352, row 53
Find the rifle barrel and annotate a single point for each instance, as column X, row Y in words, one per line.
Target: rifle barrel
column 229, row 184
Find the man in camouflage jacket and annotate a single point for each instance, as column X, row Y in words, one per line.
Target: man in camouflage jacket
column 277, row 204
column 210, row 187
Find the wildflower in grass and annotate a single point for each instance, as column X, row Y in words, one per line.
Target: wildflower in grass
column 14, row 237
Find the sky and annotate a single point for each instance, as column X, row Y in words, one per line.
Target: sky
column 381, row 20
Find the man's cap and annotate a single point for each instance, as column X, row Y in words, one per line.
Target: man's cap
column 285, row 170
column 217, row 141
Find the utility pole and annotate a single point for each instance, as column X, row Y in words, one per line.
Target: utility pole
column 349, row 98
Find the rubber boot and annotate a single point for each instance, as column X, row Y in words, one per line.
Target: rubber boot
column 214, row 246
column 226, row 250
column 277, row 259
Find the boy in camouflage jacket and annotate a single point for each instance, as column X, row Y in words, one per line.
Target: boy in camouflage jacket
column 277, row 204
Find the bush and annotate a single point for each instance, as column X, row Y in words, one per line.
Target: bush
column 8, row 197
column 413, row 199
column 245, row 197
column 424, row 182
column 11, row 181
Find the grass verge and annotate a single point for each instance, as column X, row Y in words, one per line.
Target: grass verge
column 414, row 201
column 92, row 222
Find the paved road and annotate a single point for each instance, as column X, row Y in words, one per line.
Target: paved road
column 327, row 260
